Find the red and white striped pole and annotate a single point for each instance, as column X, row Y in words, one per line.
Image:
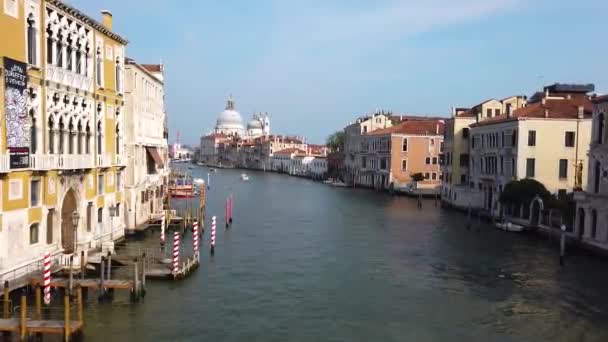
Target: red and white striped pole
column 212, row 235
column 195, row 239
column 175, row 252
column 162, row 228
column 47, row 278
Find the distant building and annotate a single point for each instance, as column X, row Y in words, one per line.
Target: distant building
column 390, row 156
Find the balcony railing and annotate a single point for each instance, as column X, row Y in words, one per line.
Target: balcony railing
column 119, row 160
column 4, row 163
column 70, row 78
column 42, row 162
column 103, row 160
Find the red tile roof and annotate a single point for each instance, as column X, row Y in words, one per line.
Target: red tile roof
column 290, row 151
column 153, row 67
column 600, row 99
column 414, row 127
column 216, row 136
column 551, row 109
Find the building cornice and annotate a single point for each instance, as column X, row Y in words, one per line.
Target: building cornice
column 87, row 20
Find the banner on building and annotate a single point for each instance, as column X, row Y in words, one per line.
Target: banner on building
column 16, row 116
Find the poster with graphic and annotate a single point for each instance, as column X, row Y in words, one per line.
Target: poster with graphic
column 17, row 119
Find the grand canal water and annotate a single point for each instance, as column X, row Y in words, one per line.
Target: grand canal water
column 308, row 262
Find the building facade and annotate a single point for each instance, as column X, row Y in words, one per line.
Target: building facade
column 546, row 140
column 390, row 156
column 591, row 223
column 61, row 142
column 145, row 142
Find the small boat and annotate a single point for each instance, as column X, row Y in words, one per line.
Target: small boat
column 244, row 177
column 199, row 181
column 212, row 170
column 335, row 182
column 509, row 227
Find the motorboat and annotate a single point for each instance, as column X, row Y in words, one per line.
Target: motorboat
column 335, row 182
column 244, row 177
column 199, row 181
column 509, row 227
column 212, row 170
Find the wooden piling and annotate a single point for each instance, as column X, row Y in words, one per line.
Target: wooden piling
column 135, row 281
column 143, row 274
column 79, row 303
column 6, row 302
column 23, row 325
column 66, row 317
column 109, row 277
column 82, row 265
column 71, row 273
column 38, row 303
column 101, row 275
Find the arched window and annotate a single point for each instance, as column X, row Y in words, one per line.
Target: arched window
column 79, row 59
column 61, row 136
column 78, row 138
column 100, row 215
column 87, row 139
column 69, row 54
column 87, row 54
column 597, row 177
column 600, row 128
column 31, row 40
column 49, row 227
column 51, row 135
column 98, row 62
column 117, row 139
column 593, row 224
column 59, row 50
column 33, row 133
column 49, row 45
column 71, row 137
column 99, row 137
column 117, row 209
column 34, row 233
column 117, row 75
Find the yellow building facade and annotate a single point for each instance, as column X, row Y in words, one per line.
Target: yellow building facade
column 61, row 132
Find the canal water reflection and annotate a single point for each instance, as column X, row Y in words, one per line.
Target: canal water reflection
column 308, row 262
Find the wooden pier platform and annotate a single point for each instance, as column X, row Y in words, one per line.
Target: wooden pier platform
column 86, row 283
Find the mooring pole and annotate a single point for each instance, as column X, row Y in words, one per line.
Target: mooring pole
column 82, row 265
column 66, row 317
column 23, row 317
column 109, row 266
column 5, row 303
column 38, row 303
column 79, row 303
column 71, row 273
column 101, row 275
column 562, row 246
column 143, row 274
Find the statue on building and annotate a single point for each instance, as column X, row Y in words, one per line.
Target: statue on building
column 578, row 178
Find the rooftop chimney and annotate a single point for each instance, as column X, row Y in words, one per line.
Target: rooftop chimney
column 437, row 128
column 546, row 113
column 581, row 112
column 106, row 19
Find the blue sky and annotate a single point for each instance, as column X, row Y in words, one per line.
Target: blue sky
column 314, row 65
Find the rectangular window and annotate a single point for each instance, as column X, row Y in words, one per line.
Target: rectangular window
column 434, row 160
column 569, row 139
column 364, row 162
column 428, row 161
column 404, row 145
column 563, row 168
column 427, row 175
column 514, row 138
column 531, row 138
column 383, row 164
column 489, row 112
column 496, row 112
column 463, row 179
column 118, row 181
column 34, row 233
column 530, row 167
column 89, row 215
column 35, row 192
column 441, row 146
column 100, row 184
column 434, row 176
column 465, row 133
column 404, row 164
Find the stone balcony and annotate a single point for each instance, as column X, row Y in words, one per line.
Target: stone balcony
column 119, row 160
column 4, row 163
column 42, row 162
column 103, row 160
column 69, row 78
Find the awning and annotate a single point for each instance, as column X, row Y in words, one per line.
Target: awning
column 156, row 156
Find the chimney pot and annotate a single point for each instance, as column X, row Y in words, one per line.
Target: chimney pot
column 581, row 112
column 544, row 101
column 106, row 19
column 546, row 113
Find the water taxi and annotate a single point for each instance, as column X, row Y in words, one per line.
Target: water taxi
column 244, row 177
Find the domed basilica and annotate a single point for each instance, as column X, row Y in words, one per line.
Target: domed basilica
column 230, row 123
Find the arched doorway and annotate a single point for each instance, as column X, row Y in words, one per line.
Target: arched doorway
column 581, row 222
column 536, row 209
column 67, row 229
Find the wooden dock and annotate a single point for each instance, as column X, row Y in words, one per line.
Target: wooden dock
column 86, row 283
column 26, row 326
column 165, row 271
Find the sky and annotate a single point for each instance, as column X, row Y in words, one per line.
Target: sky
column 316, row 65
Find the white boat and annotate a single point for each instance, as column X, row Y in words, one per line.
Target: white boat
column 339, row 184
column 509, row 227
column 244, row 177
column 199, row 181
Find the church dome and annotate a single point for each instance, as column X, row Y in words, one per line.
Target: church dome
column 229, row 117
column 254, row 124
